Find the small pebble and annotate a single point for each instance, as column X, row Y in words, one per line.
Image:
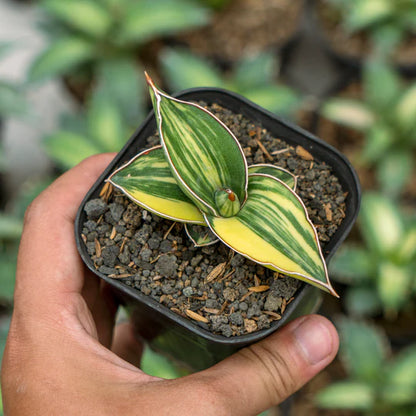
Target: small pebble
column 95, row 208
column 188, row 291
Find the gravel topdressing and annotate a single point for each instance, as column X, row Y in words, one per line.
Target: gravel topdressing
column 215, row 288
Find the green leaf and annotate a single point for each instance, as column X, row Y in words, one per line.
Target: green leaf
column 10, row 227
column 350, row 113
column 183, row 69
column 256, row 71
column 105, row 123
column 363, row 350
column 352, row 265
column 275, row 98
column 402, row 371
column 61, row 57
column 394, row 171
column 367, row 13
column 382, row 85
column 274, row 230
column 148, row 19
column 407, row 250
column 205, row 157
column 68, row 149
column 7, row 275
column 378, row 140
column 394, row 285
column 363, row 301
column 200, row 235
column 87, row 16
column 12, row 101
column 381, row 224
column 406, row 109
column 120, row 79
column 276, row 172
column 350, row 395
column 147, row 180
column 400, row 385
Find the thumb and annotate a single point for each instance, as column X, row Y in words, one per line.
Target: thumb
column 264, row 374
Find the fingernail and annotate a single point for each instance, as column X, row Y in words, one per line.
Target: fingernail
column 314, row 340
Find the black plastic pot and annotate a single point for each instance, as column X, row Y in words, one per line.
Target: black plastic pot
column 172, row 334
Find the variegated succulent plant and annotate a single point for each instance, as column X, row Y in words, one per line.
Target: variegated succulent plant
column 199, row 176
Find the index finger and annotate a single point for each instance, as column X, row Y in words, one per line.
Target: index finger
column 49, row 266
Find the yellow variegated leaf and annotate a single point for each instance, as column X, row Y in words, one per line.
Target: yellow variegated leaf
column 148, row 181
column 278, row 173
column 273, row 229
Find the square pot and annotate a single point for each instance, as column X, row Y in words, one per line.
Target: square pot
column 174, row 335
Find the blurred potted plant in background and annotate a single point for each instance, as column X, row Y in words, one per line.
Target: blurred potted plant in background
column 87, row 37
column 247, row 27
column 377, row 383
column 12, row 104
column 253, row 77
column 352, row 29
column 386, row 116
column 102, row 127
column 381, row 272
column 12, row 101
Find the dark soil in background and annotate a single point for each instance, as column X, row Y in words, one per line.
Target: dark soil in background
column 247, row 27
column 357, row 45
column 219, row 290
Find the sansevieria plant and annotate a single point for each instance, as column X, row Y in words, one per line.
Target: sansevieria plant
column 199, row 176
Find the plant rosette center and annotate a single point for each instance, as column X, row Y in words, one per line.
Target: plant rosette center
column 199, row 176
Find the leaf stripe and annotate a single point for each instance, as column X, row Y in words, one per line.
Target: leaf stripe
column 203, row 153
column 279, row 173
column 147, row 180
column 285, row 224
column 277, row 230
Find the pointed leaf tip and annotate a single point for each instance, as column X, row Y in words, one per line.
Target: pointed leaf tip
column 149, row 80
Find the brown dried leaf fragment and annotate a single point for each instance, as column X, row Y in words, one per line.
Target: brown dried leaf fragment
column 120, row 276
column 106, row 191
column 123, row 243
column 224, row 306
column 97, row 248
column 113, row 233
column 211, row 310
column 216, row 272
column 283, row 307
column 303, row 153
column 195, row 316
column 168, row 231
column 177, row 311
column 328, row 212
column 227, row 275
column 261, row 145
column 275, row 316
column 278, row 152
column 259, row 289
column 244, row 297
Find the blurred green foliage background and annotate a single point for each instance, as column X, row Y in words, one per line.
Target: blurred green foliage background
column 96, row 50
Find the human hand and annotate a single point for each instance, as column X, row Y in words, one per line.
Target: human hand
column 62, row 357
